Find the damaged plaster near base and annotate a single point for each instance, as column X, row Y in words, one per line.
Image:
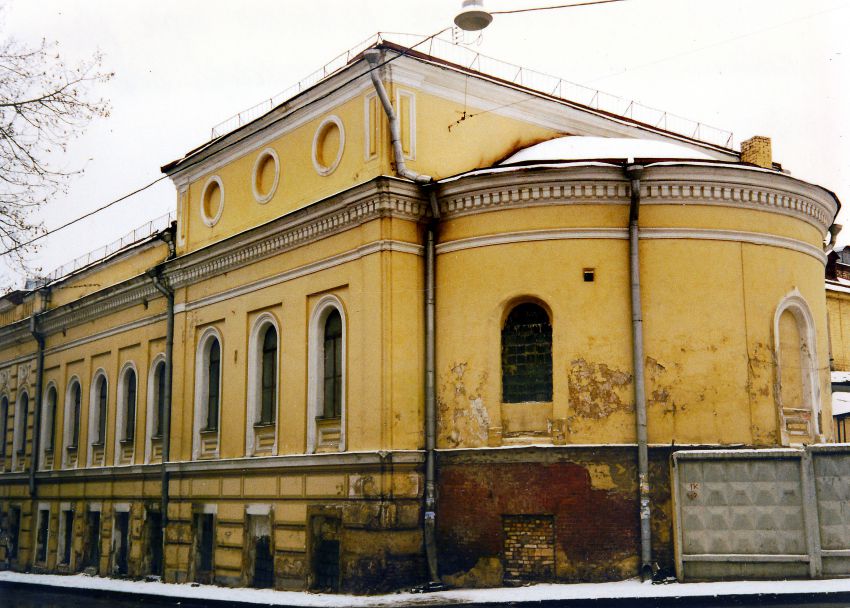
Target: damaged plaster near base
column 551, row 345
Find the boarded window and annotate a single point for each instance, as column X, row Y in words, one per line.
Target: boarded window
column 332, row 366
column 527, row 355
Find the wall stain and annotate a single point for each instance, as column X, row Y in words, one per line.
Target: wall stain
column 597, row 390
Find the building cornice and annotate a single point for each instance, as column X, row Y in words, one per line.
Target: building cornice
column 378, row 198
column 664, row 184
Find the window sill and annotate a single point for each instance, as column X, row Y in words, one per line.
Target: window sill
column 48, row 451
column 209, row 431
column 71, row 449
column 126, row 442
column 156, row 438
column 328, row 418
column 97, row 444
column 264, row 425
column 21, row 452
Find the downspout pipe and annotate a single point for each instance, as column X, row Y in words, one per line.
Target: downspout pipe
column 162, row 286
column 634, row 173
column 426, row 181
column 39, row 389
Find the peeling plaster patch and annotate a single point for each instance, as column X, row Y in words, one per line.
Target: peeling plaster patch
column 660, row 395
column 596, row 389
column 463, row 418
column 600, row 477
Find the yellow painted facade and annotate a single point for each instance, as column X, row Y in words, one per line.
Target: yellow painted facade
column 299, row 216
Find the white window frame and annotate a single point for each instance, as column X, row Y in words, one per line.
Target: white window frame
column 202, row 389
column 45, row 416
column 796, row 304
column 94, row 415
column 254, row 399
column 121, row 410
column 315, row 374
column 68, row 418
column 19, row 435
column 150, row 415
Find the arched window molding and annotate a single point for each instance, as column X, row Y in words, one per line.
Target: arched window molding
column 49, row 406
column 4, row 424
column 790, row 413
column 255, row 427
column 322, row 439
column 526, row 353
column 126, row 410
column 202, row 425
column 98, row 417
column 71, row 427
column 153, row 398
column 19, row 439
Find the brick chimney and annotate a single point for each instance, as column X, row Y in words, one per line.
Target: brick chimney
column 756, row 151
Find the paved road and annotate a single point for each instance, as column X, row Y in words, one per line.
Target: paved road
column 14, row 596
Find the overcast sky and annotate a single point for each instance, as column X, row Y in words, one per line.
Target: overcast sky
column 779, row 68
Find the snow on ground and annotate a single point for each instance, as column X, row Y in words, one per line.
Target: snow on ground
column 632, row 588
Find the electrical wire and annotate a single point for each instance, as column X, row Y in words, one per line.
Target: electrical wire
column 222, row 148
column 549, row 8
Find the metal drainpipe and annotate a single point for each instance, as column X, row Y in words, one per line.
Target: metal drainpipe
column 430, row 520
column 39, row 388
column 634, row 173
column 166, row 422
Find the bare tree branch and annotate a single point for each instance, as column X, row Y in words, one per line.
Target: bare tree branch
column 44, row 104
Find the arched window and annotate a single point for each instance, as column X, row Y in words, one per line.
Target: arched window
column 97, row 410
column 49, row 418
column 4, row 424
column 155, row 419
column 527, row 355
column 159, row 399
column 129, row 405
column 263, row 387
column 208, row 383
column 798, row 394
column 213, row 385
column 21, row 420
column 269, row 377
column 327, row 410
column 332, row 366
column 72, row 418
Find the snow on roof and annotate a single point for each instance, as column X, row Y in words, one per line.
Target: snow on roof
column 578, row 147
column 840, row 403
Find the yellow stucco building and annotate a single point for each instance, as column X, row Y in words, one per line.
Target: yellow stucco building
column 392, row 335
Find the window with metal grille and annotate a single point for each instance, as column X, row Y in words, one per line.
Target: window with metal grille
column 527, row 355
column 333, row 366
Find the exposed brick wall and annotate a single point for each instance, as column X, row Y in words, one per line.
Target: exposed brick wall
column 596, row 526
column 529, row 547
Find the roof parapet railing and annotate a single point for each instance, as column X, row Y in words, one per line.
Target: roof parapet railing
column 449, row 51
